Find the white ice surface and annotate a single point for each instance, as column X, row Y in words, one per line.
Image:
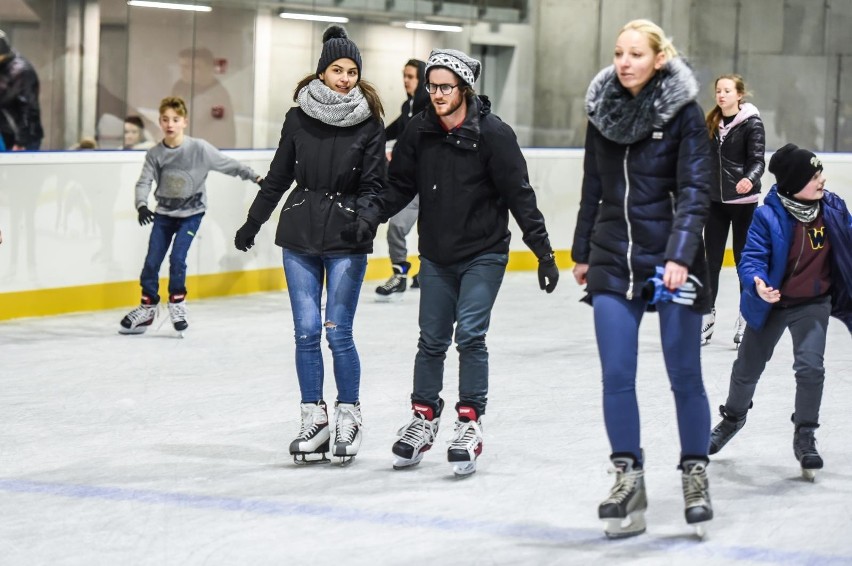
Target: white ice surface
column 155, row 450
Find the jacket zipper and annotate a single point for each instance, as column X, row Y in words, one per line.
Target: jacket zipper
column 629, row 294
column 721, row 173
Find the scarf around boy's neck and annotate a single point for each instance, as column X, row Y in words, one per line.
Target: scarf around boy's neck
column 805, row 212
column 332, row 108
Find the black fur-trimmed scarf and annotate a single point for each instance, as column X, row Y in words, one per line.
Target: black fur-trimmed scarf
column 626, row 119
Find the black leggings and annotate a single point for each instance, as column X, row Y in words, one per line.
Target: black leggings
column 721, row 217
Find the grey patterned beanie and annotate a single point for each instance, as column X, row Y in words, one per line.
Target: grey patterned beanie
column 467, row 68
column 337, row 45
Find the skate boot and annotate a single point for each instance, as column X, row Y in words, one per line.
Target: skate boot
column 177, row 312
column 696, row 494
column 708, row 322
column 394, row 287
column 139, row 319
column 347, row 431
column 415, row 282
column 804, row 447
column 739, row 330
column 417, row 436
column 466, row 445
column 726, row 429
column 311, row 446
column 624, row 509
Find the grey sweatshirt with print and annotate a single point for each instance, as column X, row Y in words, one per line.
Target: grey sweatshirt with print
column 180, row 174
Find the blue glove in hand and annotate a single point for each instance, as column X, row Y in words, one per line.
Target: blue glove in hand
column 654, row 290
column 358, row 231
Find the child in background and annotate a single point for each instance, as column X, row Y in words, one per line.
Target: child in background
column 179, row 165
column 796, row 270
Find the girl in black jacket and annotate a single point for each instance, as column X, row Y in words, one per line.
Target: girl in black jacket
column 738, row 144
column 333, row 146
column 643, row 207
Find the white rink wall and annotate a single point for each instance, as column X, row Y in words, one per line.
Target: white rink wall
column 68, row 218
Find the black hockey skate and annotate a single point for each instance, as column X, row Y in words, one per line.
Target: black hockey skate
column 417, row 436
column 804, row 447
column 139, row 319
column 696, row 494
column 312, row 444
column 624, row 510
column 178, row 312
column 347, row 431
column 394, row 287
column 726, row 429
column 466, row 445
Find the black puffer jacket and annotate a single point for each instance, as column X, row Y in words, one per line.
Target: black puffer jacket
column 468, row 181
column 645, row 203
column 20, row 114
column 740, row 155
column 336, row 169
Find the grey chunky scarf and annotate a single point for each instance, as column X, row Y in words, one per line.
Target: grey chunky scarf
column 626, row 119
column 332, row 108
column 802, row 211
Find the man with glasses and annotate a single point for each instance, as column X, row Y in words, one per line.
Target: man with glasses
column 467, row 168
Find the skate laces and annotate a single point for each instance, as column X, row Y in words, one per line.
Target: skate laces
column 347, row 421
column 466, row 436
column 311, row 421
column 695, row 485
column 625, row 483
column 141, row 314
column 391, row 283
column 417, row 432
column 806, row 443
column 177, row 312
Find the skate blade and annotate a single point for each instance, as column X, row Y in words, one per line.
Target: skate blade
column 701, row 531
column 809, row 474
column 392, row 298
column 343, row 461
column 180, row 334
column 132, row 331
column 310, row 458
column 630, row 526
column 400, row 463
column 464, row 469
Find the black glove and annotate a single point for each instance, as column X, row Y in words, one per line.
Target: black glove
column 244, row 238
column 145, row 215
column 358, row 231
column 548, row 273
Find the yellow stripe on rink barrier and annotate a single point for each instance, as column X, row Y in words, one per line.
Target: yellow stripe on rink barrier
column 103, row 296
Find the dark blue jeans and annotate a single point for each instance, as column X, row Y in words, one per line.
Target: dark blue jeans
column 343, row 276
column 617, row 323
column 463, row 295
column 164, row 228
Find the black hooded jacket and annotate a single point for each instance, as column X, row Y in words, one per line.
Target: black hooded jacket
column 412, row 106
column 468, row 179
column 20, row 115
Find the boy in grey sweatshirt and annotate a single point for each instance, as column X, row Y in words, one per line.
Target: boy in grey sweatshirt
column 179, row 165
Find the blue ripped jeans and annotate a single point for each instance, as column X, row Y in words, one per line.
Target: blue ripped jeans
column 343, row 276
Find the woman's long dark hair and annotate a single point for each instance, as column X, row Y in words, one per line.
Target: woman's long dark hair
column 370, row 93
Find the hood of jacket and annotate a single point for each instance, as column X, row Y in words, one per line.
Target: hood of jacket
column 747, row 110
column 626, row 119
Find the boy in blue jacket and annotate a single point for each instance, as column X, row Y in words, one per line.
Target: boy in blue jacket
column 796, row 270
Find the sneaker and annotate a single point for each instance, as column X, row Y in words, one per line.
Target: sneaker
column 417, row 436
column 696, row 494
column 347, row 431
column 397, row 283
column 739, row 330
column 707, row 324
column 311, row 444
column 804, row 448
column 177, row 312
column 624, row 509
column 139, row 319
column 726, row 429
column 466, row 445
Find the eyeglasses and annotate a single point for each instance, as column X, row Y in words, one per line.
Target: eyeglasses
column 445, row 89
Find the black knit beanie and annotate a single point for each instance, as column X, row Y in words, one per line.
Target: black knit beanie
column 793, row 168
column 336, row 45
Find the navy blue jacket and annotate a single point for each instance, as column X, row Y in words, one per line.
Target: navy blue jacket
column 768, row 245
column 644, row 204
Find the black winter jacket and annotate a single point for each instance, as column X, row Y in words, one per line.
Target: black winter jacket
column 644, row 204
column 336, row 169
column 412, row 106
column 468, row 180
column 740, row 155
column 20, row 114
